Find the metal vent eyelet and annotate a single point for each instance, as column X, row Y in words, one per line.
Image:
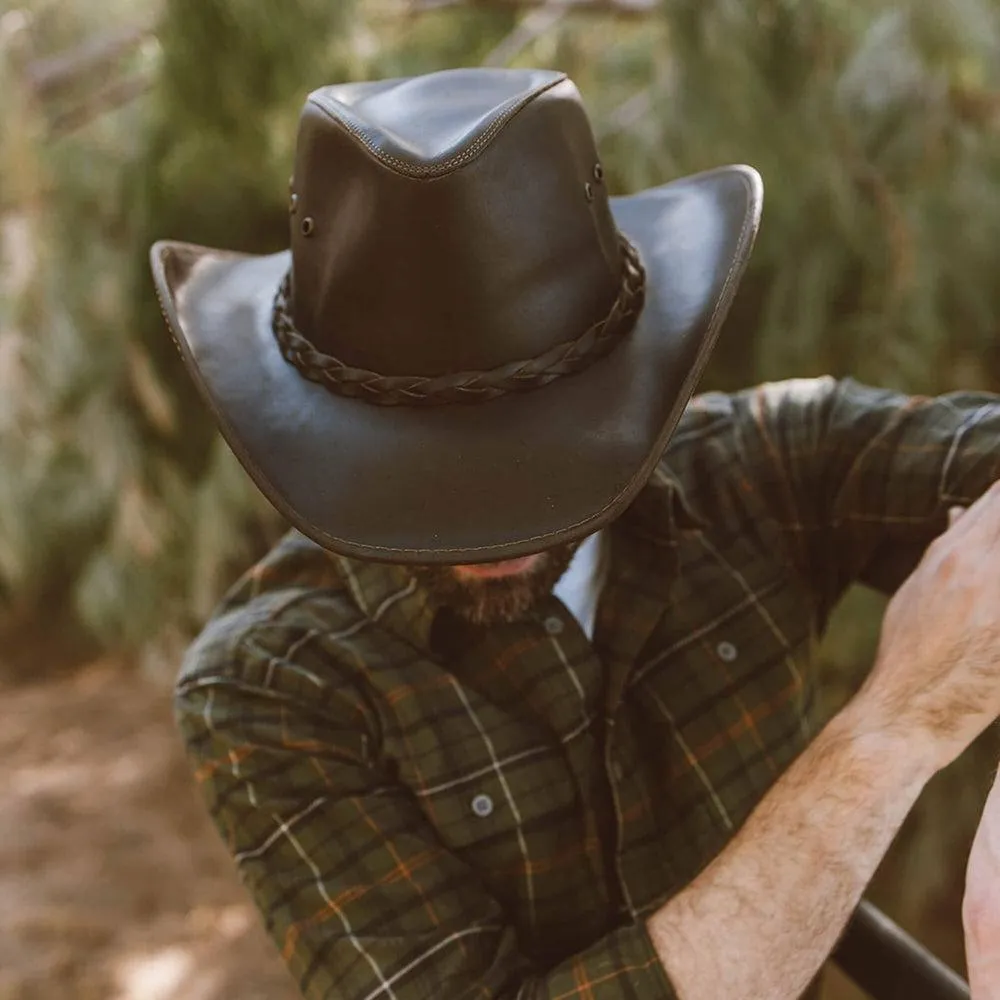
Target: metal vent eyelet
column 308, row 226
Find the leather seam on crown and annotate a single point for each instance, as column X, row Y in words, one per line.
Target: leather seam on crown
column 431, row 170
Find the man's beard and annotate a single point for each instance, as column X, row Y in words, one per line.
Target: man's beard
column 494, row 601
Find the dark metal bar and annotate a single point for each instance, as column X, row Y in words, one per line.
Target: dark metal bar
column 888, row 964
column 100, row 52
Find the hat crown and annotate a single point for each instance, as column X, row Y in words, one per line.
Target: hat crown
column 427, row 126
column 450, row 222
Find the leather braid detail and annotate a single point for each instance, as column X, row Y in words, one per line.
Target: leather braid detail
column 472, row 386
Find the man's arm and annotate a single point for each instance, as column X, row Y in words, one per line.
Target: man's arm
column 859, row 479
column 760, row 920
column 354, row 887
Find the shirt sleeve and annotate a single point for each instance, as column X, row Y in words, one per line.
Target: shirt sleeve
column 353, row 886
column 860, row 478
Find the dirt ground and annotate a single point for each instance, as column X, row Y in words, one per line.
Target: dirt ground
column 113, row 884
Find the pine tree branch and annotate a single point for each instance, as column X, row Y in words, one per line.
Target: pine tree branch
column 618, row 8
column 533, row 25
column 53, row 73
column 115, row 95
column 627, row 114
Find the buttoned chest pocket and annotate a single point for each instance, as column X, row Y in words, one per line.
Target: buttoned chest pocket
column 519, row 827
column 728, row 677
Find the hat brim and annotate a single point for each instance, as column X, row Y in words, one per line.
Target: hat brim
column 466, row 483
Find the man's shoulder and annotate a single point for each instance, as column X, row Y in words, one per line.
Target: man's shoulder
column 295, row 590
column 715, row 411
column 721, row 428
column 719, row 440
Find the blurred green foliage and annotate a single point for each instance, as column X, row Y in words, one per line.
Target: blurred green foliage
column 876, row 125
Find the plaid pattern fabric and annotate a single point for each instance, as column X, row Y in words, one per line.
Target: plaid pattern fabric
column 424, row 808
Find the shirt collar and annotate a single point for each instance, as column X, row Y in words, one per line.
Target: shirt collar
column 684, row 514
column 389, row 593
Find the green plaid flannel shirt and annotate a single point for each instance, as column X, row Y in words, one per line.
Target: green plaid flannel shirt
column 423, row 809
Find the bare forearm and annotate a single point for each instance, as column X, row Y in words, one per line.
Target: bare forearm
column 762, row 918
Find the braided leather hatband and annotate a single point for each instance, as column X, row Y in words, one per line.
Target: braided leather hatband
column 472, row 386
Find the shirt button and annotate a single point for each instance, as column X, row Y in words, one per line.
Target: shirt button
column 553, row 625
column 726, row 651
column 482, row 806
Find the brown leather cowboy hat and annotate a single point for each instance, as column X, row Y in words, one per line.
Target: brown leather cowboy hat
column 471, row 352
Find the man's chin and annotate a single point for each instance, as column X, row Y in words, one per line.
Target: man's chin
column 496, row 593
column 501, row 602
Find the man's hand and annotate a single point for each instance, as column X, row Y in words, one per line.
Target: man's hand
column 981, row 904
column 936, row 680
